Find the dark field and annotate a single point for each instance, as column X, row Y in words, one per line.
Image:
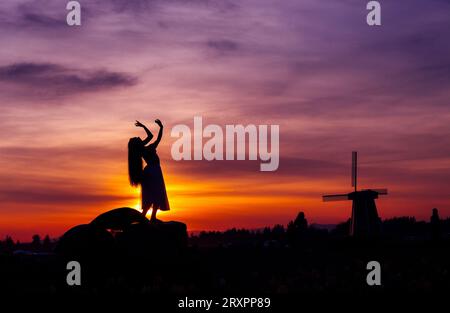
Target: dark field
column 276, row 263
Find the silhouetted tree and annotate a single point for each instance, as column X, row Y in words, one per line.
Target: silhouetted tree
column 278, row 232
column 267, row 234
column 435, row 223
column 8, row 244
column 297, row 228
column 301, row 222
column 47, row 243
column 36, row 242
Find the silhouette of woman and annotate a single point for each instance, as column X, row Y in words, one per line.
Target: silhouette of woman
column 153, row 189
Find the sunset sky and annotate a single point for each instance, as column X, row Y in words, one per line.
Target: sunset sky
column 69, row 97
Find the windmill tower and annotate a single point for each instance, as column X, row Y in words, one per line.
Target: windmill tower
column 365, row 220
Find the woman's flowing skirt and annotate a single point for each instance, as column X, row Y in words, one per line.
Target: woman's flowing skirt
column 153, row 189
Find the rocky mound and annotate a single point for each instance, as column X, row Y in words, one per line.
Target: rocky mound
column 123, row 232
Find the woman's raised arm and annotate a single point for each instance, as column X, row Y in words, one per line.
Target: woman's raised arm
column 149, row 133
column 158, row 139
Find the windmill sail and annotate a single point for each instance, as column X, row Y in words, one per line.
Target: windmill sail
column 335, row 197
column 380, row 191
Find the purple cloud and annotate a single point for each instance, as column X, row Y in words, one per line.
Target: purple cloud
column 58, row 80
column 223, row 45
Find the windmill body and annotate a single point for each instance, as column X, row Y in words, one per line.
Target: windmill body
column 365, row 220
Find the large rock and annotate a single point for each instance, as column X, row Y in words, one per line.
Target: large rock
column 119, row 219
column 134, row 235
column 149, row 238
column 85, row 241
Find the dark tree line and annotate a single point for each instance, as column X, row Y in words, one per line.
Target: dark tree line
column 7, row 245
column 297, row 232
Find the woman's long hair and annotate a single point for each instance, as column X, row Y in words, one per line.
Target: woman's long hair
column 135, row 147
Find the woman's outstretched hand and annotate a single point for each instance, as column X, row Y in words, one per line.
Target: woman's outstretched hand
column 139, row 124
column 157, row 121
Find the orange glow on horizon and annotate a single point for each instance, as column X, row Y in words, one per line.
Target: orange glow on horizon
column 245, row 202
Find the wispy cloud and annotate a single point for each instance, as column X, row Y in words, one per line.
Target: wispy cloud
column 223, row 45
column 54, row 195
column 58, row 80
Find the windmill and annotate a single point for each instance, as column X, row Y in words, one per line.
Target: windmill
column 365, row 220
